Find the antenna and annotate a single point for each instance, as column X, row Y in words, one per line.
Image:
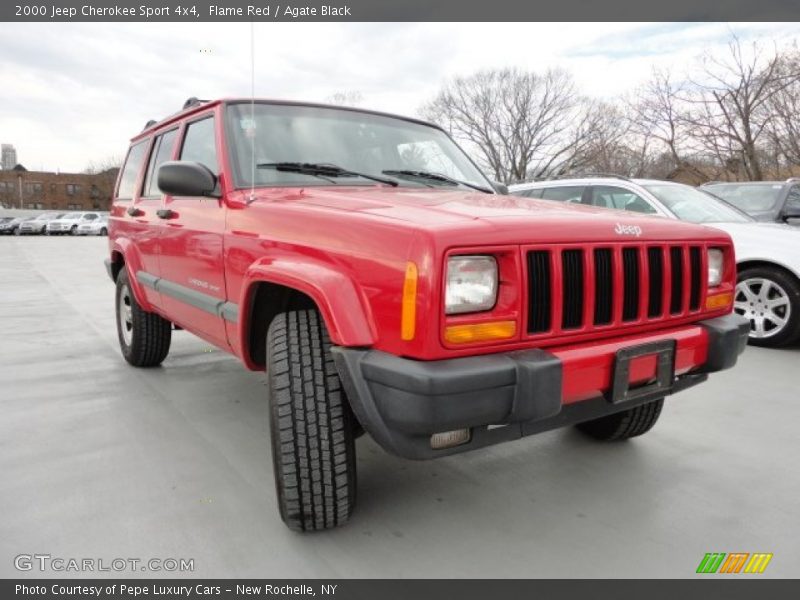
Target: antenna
column 252, row 112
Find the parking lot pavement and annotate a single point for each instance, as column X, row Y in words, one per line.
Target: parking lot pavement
column 100, row 460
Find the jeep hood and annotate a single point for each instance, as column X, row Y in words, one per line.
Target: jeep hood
column 531, row 219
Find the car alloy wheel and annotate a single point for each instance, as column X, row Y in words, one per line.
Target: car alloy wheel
column 125, row 313
column 765, row 304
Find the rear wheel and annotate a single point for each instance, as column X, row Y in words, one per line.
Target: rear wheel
column 770, row 299
column 313, row 447
column 144, row 337
column 626, row 424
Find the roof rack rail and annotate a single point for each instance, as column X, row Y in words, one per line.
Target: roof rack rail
column 193, row 102
column 587, row 175
column 149, row 124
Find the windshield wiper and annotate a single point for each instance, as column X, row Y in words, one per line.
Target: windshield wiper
column 324, row 171
column 437, row 177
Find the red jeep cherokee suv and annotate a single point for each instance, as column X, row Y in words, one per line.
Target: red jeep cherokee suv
column 367, row 264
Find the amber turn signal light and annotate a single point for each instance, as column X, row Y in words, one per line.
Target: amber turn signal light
column 719, row 301
column 408, row 316
column 480, row 332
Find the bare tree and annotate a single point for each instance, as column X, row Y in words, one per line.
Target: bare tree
column 655, row 113
column 345, row 98
column 521, row 124
column 729, row 108
column 784, row 106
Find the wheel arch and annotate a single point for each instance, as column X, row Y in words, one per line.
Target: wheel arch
column 767, row 264
column 278, row 285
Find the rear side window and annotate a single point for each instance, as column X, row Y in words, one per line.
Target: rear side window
column 130, row 172
column 199, row 146
column 608, row 196
column 565, row 193
column 162, row 152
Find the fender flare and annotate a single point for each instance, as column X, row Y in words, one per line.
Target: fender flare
column 132, row 263
column 341, row 303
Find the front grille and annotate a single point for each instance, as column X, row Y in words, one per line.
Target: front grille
column 603, row 287
column 539, row 285
column 572, row 288
column 567, row 286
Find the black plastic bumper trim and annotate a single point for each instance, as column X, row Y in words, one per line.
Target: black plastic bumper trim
column 402, row 402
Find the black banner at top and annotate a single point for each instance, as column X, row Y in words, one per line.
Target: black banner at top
column 398, row 10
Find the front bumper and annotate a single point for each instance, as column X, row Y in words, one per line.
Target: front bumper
column 500, row 397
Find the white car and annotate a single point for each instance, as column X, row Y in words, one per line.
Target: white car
column 69, row 223
column 38, row 224
column 94, row 227
column 767, row 254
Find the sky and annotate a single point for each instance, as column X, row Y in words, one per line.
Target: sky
column 72, row 94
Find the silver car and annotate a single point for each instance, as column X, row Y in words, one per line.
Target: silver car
column 94, row 227
column 69, row 222
column 38, row 225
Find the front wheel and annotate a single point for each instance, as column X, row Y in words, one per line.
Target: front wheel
column 313, row 449
column 104, row 231
column 770, row 299
column 144, row 337
column 626, row 424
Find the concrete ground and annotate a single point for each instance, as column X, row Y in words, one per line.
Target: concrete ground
column 101, row 460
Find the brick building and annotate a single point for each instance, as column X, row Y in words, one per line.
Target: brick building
column 20, row 188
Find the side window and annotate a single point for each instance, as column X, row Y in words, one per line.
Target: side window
column 564, row 193
column 130, row 172
column 609, row 196
column 199, row 146
column 89, row 217
column 535, row 193
column 162, row 151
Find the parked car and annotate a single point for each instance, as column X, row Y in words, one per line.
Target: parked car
column 768, row 261
column 11, row 226
column 38, row 224
column 69, row 223
column 770, row 201
column 366, row 263
column 95, row 227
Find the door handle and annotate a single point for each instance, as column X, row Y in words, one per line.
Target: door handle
column 165, row 213
column 134, row 212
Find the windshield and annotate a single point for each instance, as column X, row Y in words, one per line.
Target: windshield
column 749, row 197
column 692, row 205
column 353, row 140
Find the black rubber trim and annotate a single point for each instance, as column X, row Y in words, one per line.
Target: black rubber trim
column 401, row 402
column 525, row 398
column 205, row 302
column 727, row 339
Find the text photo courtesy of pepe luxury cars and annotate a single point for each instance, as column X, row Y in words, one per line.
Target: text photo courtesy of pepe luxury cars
column 513, row 301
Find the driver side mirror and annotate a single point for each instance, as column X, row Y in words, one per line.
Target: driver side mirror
column 791, row 212
column 500, row 188
column 186, row 178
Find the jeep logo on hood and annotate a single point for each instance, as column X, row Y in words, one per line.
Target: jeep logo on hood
column 621, row 229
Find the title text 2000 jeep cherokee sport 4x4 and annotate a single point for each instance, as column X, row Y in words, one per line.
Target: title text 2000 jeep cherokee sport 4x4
column 367, row 265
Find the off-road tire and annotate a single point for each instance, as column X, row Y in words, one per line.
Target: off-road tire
column 149, row 334
column 626, row 424
column 313, row 448
column 791, row 331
